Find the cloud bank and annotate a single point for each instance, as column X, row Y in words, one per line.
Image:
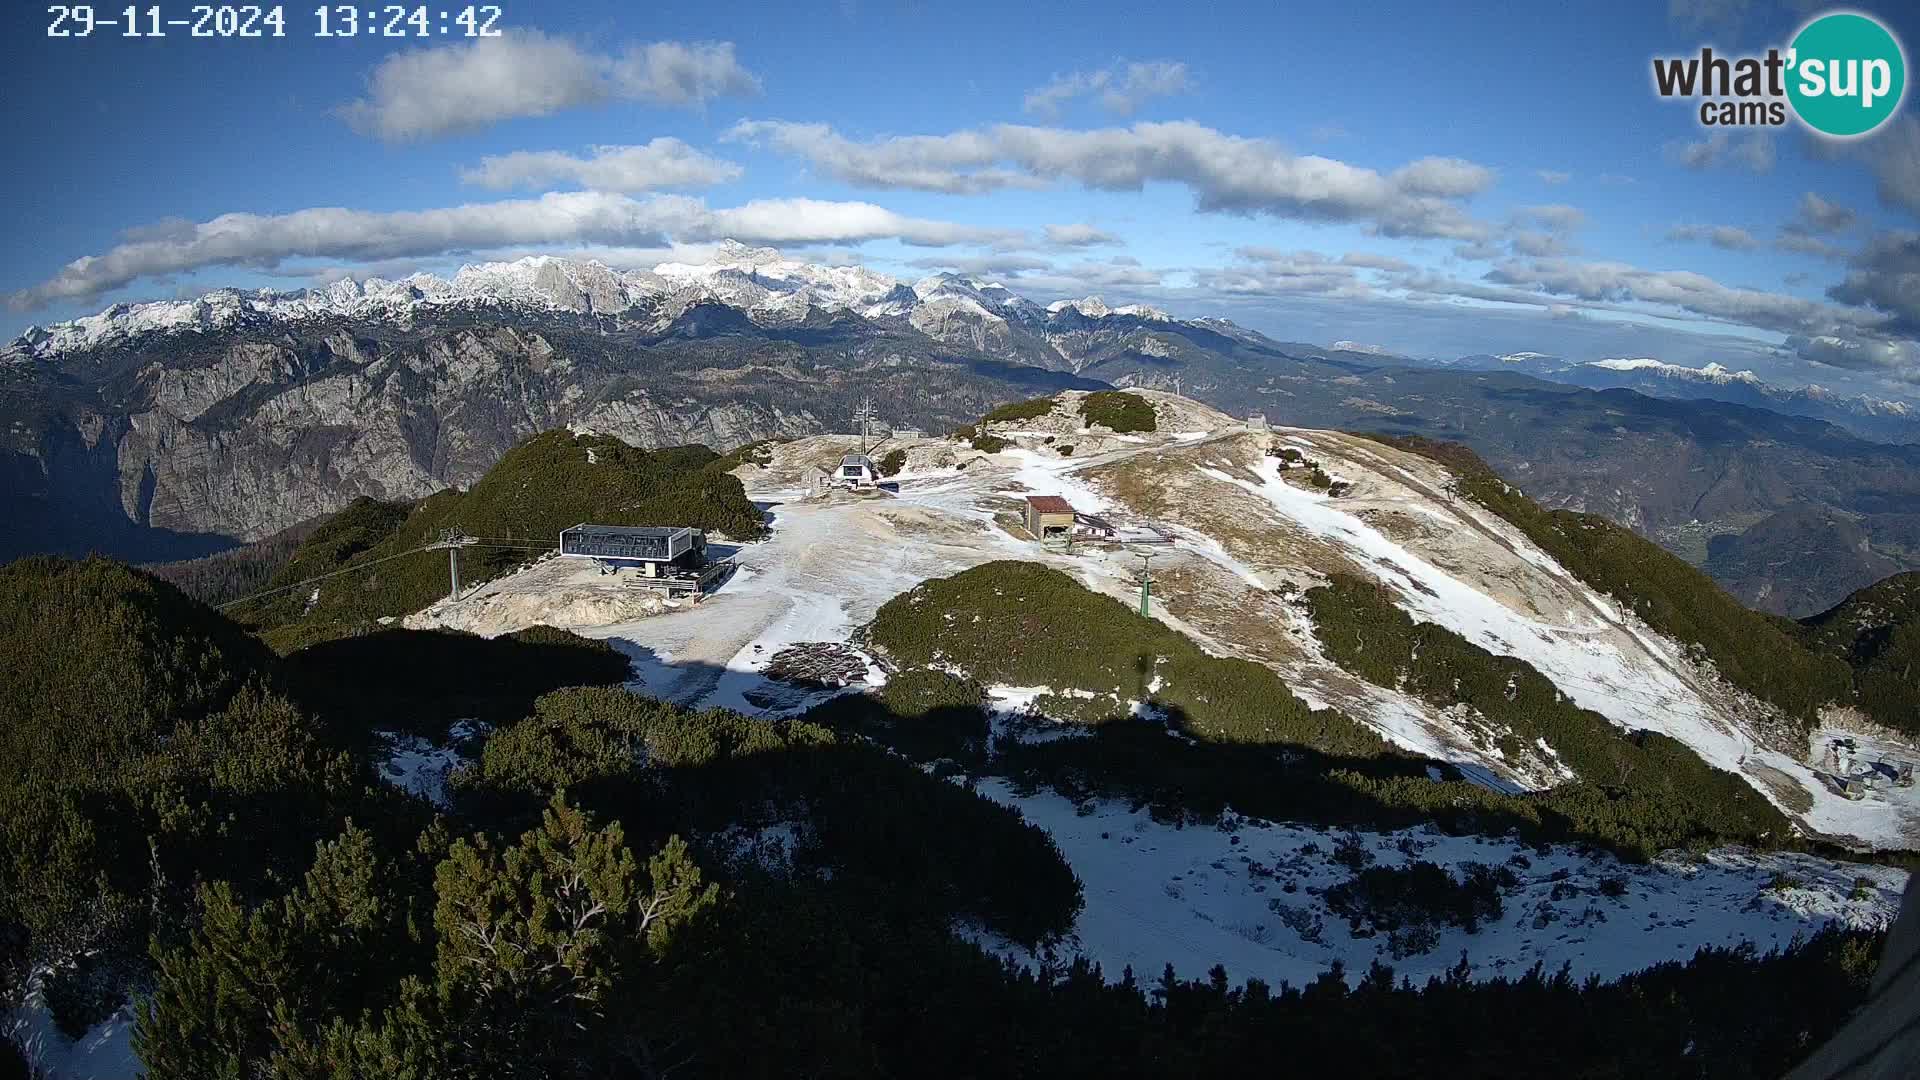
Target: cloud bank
column 444, row 90
column 1226, row 173
column 555, row 219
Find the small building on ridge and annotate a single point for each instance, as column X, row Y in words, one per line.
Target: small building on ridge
column 857, row 471
column 1049, row 517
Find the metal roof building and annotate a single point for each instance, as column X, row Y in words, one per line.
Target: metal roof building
column 856, row 470
column 1049, row 517
column 632, row 543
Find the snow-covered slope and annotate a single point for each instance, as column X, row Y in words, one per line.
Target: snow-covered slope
column 1250, row 896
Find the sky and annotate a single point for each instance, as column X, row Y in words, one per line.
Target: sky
column 1437, row 180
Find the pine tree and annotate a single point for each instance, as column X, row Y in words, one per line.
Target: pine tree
column 211, row 1010
column 534, row 940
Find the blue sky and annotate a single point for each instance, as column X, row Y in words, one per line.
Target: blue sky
column 1437, row 179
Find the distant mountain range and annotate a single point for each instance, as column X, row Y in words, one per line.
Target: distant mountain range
column 1880, row 419
column 170, row 429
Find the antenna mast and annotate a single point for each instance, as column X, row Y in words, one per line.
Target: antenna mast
column 864, row 417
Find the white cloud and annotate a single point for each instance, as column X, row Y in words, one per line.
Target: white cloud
column 1725, row 237
column 951, row 164
column 682, row 74
column 1723, row 15
column 1753, row 152
column 1554, row 177
column 1892, row 154
column 662, row 163
column 1078, row 236
column 814, row 221
column 572, row 219
column 1886, row 356
column 1804, row 243
column 1226, row 173
column 1554, row 217
column 1121, row 88
column 1119, row 272
column 442, row 90
column 1264, row 271
column 1544, row 230
column 1371, row 261
column 1817, row 215
column 1448, row 178
column 1682, row 289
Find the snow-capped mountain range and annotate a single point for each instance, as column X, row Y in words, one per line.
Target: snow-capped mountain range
column 1720, row 375
column 1712, row 373
column 771, row 289
column 1883, row 419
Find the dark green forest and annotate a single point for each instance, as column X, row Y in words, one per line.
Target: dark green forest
column 1877, row 632
column 239, row 572
column 624, row 888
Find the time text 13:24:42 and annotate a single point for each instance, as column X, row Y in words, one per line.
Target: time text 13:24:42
column 258, row 21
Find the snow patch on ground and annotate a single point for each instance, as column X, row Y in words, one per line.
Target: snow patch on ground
column 104, row 1052
column 1247, row 895
column 421, row 767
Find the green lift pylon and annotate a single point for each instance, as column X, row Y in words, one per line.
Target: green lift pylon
column 1146, row 580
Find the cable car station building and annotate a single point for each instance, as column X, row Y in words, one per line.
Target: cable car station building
column 663, row 552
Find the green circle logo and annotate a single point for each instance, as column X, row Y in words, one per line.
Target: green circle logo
column 1847, row 75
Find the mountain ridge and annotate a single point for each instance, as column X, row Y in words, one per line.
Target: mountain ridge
column 167, row 430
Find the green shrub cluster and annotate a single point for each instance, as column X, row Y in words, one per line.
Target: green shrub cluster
column 1118, row 411
column 1031, row 409
column 892, row 463
column 1414, row 901
column 546, row 956
column 936, row 847
column 540, row 487
column 989, row 444
column 753, row 453
column 1023, row 624
column 1877, row 632
column 1749, row 649
column 146, row 743
column 926, row 714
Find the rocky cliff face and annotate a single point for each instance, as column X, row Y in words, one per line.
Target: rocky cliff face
column 159, row 447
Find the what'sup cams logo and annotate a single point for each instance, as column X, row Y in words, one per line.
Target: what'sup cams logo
column 1844, row 75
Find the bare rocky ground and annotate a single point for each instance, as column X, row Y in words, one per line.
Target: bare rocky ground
column 1250, row 539
column 554, row 592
